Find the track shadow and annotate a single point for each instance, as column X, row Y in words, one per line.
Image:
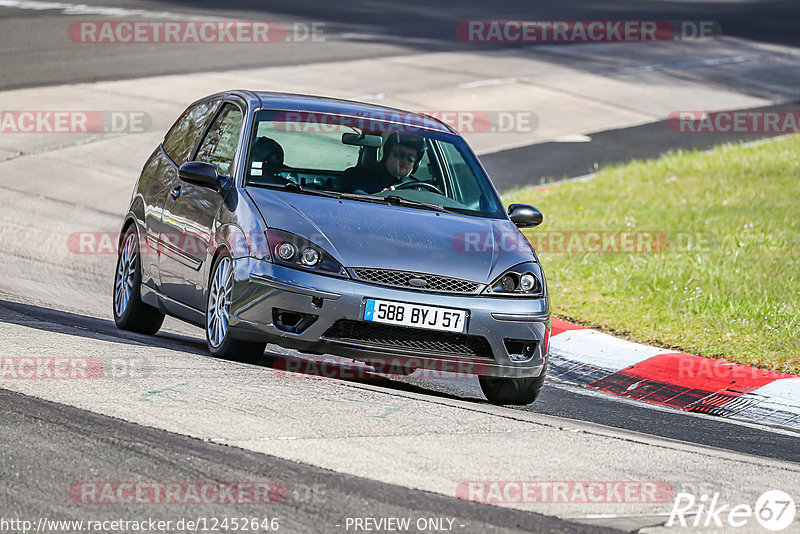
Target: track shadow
column 51, row 320
column 334, row 368
column 321, row 367
column 554, row 161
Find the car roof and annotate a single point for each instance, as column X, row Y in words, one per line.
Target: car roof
column 336, row 106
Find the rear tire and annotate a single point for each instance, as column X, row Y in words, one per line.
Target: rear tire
column 130, row 313
column 512, row 390
column 218, row 306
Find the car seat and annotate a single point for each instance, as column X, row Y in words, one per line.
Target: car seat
column 266, row 162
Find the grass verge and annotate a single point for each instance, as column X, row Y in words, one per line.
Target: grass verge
column 722, row 277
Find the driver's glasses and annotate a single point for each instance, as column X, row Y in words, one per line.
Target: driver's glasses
column 401, row 154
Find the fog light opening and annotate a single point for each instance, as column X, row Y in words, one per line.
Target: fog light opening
column 520, row 350
column 291, row 321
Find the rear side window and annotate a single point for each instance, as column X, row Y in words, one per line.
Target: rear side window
column 219, row 146
column 311, row 147
column 181, row 138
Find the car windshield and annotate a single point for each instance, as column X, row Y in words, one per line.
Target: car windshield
column 369, row 159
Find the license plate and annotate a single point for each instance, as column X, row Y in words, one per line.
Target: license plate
column 415, row 315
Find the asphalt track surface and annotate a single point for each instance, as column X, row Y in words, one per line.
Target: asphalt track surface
column 545, row 162
column 314, row 500
column 63, row 444
column 34, row 51
column 556, row 399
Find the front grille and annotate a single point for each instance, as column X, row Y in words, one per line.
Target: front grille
column 411, row 339
column 435, row 283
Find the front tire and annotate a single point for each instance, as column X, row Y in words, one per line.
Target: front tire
column 516, row 391
column 130, row 313
column 218, row 307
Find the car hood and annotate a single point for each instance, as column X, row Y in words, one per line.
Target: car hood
column 365, row 234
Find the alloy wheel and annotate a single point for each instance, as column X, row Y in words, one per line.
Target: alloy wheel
column 219, row 303
column 126, row 272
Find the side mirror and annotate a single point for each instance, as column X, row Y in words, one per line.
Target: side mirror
column 198, row 172
column 525, row 216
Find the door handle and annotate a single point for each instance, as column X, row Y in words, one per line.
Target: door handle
column 176, row 192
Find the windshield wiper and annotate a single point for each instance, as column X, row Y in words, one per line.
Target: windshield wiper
column 291, row 186
column 400, row 201
column 359, row 196
column 394, row 199
column 391, row 199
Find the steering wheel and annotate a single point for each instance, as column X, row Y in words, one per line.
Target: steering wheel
column 413, row 183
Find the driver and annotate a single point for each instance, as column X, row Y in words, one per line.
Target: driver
column 401, row 157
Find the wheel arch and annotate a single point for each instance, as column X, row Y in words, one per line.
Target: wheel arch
column 219, row 251
column 135, row 216
column 129, row 221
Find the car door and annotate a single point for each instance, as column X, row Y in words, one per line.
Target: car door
column 190, row 213
column 160, row 176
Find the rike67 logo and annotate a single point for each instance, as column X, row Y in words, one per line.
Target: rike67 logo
column 774, row 510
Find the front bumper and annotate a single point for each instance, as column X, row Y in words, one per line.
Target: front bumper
column 497, row 327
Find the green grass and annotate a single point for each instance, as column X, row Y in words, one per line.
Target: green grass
column 735, row 298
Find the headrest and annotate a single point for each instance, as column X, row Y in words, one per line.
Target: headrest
column 268, row 151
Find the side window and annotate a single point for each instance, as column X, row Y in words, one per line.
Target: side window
column 427, row 171
column 181, row 138
column 219, row 146
column 467, row 186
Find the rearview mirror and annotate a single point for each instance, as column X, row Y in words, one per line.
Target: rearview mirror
column 524, row 215
column 201, row 173
column 373, row 141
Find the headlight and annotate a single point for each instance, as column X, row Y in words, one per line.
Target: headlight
column 294, row 251
column 285, row 251
column 527, row 282
column 524, row 280
column 310, row 257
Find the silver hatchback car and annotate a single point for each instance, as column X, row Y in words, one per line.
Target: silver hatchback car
column 337, row 227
